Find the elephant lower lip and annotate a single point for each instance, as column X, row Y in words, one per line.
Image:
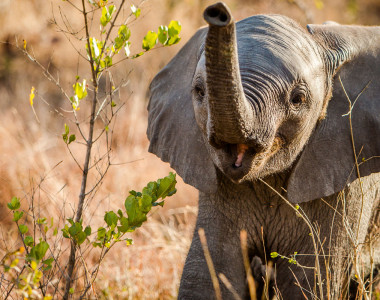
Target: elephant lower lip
column 237, row 160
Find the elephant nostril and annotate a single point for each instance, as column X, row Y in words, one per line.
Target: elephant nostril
column 217, row 14
column 212, row 12
column 223, row 17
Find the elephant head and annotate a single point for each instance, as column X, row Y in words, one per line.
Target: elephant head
column 254, row 98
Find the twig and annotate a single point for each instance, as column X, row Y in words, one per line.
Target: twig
column 318, row 268
column 351, row 106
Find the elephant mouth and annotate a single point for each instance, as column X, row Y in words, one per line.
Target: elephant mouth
column 240, row 161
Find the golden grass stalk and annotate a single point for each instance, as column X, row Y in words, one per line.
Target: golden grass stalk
column 247, row 265
column 210, row 265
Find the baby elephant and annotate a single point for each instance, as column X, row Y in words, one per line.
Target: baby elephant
column 278, row 127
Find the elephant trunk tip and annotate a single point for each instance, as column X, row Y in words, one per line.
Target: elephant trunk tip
column 218, row 14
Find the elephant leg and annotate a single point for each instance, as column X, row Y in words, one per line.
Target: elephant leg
column 223, row 240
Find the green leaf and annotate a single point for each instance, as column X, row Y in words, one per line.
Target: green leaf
column 80, row 90
column 75, row 229
column 17, row 215
column 151, row 190
column 41, row 221
column 134, row 193
column 23, row 229
column 106, row 14
column 38, row 251
column 14, row 204
column 80, row 237
column 94, row 244
column 166, row 186
column 28, row 240
column 135, row 216
column 87, row 230
column 71, row 139
column 110, row 218
column 55, row 231
column 159, row 203
column 145, row 203
column 64, row 135
column 163, row 34
column 138, row 55
column 124, row 225
column 48, row 261
column 150, row 40
column 109, row 234
column 124, row 33
column 174, row 28
column 173, row 40
column 65, row 232
column 135, row 11
column 129, row 241
column 71, row 291
column 106, row 62
column 101, row 233
column 118, row 44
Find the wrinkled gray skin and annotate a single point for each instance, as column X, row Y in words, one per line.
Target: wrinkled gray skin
column 261, row 101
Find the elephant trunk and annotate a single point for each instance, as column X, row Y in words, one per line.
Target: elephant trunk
column 231, row 114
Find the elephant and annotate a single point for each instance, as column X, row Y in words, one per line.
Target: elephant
column 278, row 127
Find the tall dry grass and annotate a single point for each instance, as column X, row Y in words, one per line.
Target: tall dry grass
column 35, row 160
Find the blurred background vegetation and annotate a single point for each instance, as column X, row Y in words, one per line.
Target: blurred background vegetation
column 31, row 150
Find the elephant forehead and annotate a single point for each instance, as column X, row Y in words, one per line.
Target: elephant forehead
column 276, row 44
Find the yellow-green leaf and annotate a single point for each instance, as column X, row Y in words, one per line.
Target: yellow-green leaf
column 31, row 96
column 33, row 265
column 136, row 11
column 150, row 40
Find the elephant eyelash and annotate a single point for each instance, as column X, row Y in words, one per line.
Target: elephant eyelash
column 198, row 89
column 199, row 92
column 299, row 96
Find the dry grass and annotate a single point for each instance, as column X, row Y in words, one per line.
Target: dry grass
column 151, row 268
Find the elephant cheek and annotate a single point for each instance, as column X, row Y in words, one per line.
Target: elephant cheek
column 200, row 116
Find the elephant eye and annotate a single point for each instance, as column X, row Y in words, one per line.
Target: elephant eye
column 297, row 100
column 199, row 92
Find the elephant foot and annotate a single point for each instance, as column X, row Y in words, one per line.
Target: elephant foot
column 264, row 279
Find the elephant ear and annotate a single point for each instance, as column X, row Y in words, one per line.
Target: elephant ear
column 327, row 164
column 172, row 130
